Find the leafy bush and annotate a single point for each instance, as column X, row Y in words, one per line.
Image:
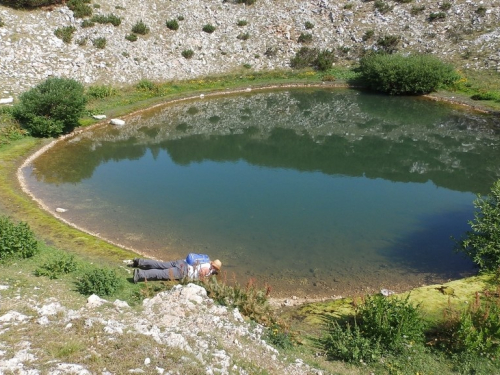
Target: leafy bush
column 208, row 28
column 435, row 16
column 308, row 25
column 382, row 6
column 305, row 38
column 482, row 243
column 65, row 33
column 242, row 23
column 368, row 35
column 110, row 18
column 388, row 43
column 172, row 25
column 312, row 57
column 51, row 108
column 481, row 11
column 30, row 3
column 54, row 268
column 146, row 85
column 16, row 240
column 87, row 23
column 405, row 75
column 180, row 18
column 381, row 324
column 140, row 28
column 80, row 8
column 445, row 6
column 10, row 133
column 99, row 42
column 279, row 336
column 487, row 95
column 131, row 37
column 187, row 53
column 324, row 60
column 417, row 9
column 100, row 281
column 100, row 91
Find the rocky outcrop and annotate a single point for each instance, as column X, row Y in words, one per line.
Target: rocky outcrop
column 468, row 36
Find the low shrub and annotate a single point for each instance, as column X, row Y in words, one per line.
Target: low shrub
column 19, row 4
column 388, row 43
column 99, row 281
column 208, row 28
column 65, row 33
column 99, row 42
column 482, row 242
column 51, row 108
column 101, row 91
column 308, row 25
column 16, row 240
column 172, row 25
column 305, row 38
column 246, row 2
column 2, row 24
column 417, row 9
column 436, row 16
column 11, row 133
column 445, row 6
column 242, row 23
column 140, row 28
column 54, row 268
column 396, row 74
column 131, row 37
column 243, row 36
column 487, row 95
column 80, row 8
column 110, row 18
column 324, row 60
column 305, row 57
column 187, row 53
column 481, row 11
column 368, row 35
column 279, row 335
column 87, row 23
column 180, row 18
column 382, row 6
column 146, row 85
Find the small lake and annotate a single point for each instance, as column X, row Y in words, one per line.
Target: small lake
column 316, row 192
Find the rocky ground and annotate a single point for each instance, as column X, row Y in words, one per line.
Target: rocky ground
column 467, row 33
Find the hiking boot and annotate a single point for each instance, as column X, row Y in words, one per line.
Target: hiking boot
column 136, row 275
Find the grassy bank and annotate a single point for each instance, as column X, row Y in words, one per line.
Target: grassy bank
column 58, row 238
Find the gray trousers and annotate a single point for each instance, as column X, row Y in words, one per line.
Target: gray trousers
column 155, row 270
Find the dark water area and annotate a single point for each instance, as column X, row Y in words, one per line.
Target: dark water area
column 315, row 192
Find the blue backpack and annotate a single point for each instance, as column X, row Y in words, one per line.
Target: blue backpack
column 194, row 259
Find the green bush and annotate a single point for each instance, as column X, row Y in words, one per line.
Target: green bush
column 208, row 28
column 382, row 6
column 172, row 25
column 482, row 243
column 80, row 8
column 16, row 240
column 11, row 132
column 187, row 53
column 100, row 281
column 87, row 23
column 99, row 42
column 396, row 74
column 140, row 28
column 388, row 43
column 435, row 16
column 65, row 33
column 51, row 108
column 417, row 9
column 246, row 2
column 110, row 18
column 304, row 57
column 324, row 60
column 445, row 6
column 481, row 11
column 242, row 23
column 146, row 85
column 243, row 36
column 305, row 38
column 279, row 336
column 18, row 4
column 131, row 37
column 487, row 95
column 308, row 25
column 101, row 91
column 54, row 268
column 381, row 325
column 368, row 35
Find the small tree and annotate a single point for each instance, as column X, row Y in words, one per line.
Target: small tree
column 482, row 243
column 16, row 240
column 51, row 108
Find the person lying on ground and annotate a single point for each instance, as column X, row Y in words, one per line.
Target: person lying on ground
column 148, row 269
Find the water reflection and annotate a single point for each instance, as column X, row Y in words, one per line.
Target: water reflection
column 361, row 188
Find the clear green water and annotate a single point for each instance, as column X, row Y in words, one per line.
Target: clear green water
column 315, row 192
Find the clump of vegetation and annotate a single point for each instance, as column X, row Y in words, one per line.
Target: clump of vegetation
column 348, row 6
column 380, row 324
column 305, row 38
column 396, row 74
column 404, row 1
column 10, row 132
column 486, row 95
column 2, row 24
column 180, row 18
column 99, row 42
column 51, row 108
column 65, row 33
column 80, row 8
column 482, row 242
column 99, row 281
column 368, row 35
column 16, row 240
column 110, row 18
column 172, row 25
column 87, row 23
column 187, row 53
column 20, row 4
column 101, row 91
column 246, row 2
column 208, row 28
column 308, row 25
column 436, row 16
column 312, row 57
column 54, row 268
column 481, row 11
column 242, row 23
column 243, row 36
column 146, row 85
column 417, row 9
column 382, row 6
column 131, row 37
column 280, row 336
column 388, row 43
column 445, row 6
column 140, row 28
